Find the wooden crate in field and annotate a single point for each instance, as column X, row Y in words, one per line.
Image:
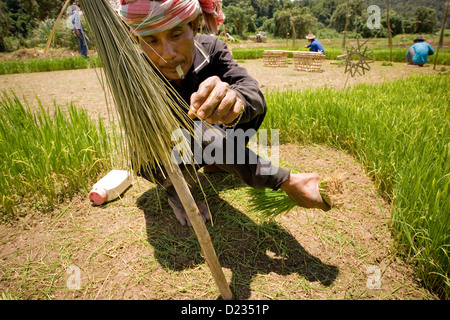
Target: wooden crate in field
column 274, row 58
column 308, row 61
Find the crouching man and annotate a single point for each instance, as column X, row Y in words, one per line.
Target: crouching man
column 218, row 91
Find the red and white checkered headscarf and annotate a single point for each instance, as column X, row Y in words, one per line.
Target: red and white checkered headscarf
column 146, row 17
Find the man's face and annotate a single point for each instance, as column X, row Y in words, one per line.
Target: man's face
column 171, row 48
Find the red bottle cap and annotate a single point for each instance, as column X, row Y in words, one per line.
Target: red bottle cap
column 98, row 196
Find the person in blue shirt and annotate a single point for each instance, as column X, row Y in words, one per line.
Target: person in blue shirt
column 78, row 30
column 314, row 44
column 418, row 53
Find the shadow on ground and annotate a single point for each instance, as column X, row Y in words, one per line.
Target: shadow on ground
column 244, row 247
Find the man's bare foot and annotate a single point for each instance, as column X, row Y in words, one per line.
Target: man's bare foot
column 303, row 188
column 182, row 216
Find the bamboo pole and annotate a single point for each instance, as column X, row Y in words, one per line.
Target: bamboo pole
column 199, row 226
column 388, row 22
column 149, row 114
column 55, row 26
column 441, row 35
column 347, row 20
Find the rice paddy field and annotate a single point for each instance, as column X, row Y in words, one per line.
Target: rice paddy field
column 403, row 141
column 387, row 133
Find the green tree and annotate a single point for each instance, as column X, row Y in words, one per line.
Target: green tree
column 4, row 28
column 265, row 8
column 269, row 26
column 409, row 25
column 288, row 21
column 240, row 18
column 337, row 20
column 21, row 16
column 396, row 23
column 426, row 19
column 323, row 10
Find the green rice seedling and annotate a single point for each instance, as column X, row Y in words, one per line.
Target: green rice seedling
column 271, row 203
column 46, row 157
column 47, row 64
column 247, row 53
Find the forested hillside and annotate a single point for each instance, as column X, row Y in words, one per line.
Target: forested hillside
column 280, row 18
column 22, row 20
column 409, row 6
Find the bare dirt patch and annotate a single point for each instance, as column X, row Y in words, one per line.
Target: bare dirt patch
column 134, row 248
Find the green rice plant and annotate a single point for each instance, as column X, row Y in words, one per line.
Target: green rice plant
column 46, row 157
column 48, row 64
column 401, row 133
column 270, row 203
column 247, row 53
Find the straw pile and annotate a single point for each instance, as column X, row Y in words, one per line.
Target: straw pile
column 148, row 106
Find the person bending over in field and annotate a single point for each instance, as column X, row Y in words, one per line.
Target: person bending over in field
column 218, row 91
column 418, row 53
column 314, row 44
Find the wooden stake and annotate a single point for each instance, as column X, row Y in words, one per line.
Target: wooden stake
column 441, row 34
column 347, row 20
column 55, row 26
column 182, row 189
column 388, row 22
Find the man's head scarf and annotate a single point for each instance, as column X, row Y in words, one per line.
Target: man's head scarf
column 146, row 17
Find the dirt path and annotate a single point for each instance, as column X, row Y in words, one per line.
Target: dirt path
column 134, row 249
column 82, row 87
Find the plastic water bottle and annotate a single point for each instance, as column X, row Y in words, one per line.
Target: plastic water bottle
column 110, row 186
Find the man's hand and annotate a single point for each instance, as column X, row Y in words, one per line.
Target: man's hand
column 215, row 101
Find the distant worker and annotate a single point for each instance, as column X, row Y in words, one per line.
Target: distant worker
column 418, row 53
column 229, row 37
column 78, row 30
column 314, row 44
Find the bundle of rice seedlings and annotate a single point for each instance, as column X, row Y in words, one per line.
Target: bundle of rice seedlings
column 271, row 204
column 149, row 110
